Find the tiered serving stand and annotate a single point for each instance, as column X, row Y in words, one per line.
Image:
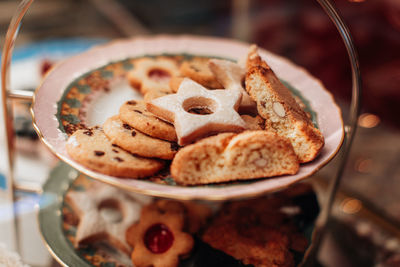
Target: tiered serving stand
column 211, row 194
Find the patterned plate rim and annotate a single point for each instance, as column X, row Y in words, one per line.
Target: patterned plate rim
column 122, row 49
column 50, row 220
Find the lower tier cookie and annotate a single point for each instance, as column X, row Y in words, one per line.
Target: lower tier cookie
column 105, row 213
column 263, row 231
column 158, row 238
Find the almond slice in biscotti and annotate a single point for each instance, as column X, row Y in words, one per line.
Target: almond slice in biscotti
column 283, row 114
column 229, row 157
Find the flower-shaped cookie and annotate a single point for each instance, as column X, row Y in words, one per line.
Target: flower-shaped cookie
column 158, row 239
column 153, row 75
column 197, row 112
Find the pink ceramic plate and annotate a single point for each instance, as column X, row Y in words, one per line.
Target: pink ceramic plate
column 51, row 95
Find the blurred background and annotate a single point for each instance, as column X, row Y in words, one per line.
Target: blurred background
column 366, row 228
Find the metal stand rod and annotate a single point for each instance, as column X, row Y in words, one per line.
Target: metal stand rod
column 240, row 28
column 125, row 22
column 9, row 44
column 350, row 130
column 20, row 94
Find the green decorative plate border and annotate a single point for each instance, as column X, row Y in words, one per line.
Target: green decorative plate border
column 50, row 216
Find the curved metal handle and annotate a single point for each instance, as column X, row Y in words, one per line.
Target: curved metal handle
column 354, row 63
column 350, row 129
column 8, row 48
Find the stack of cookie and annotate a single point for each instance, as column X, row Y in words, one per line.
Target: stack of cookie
column 205, row 120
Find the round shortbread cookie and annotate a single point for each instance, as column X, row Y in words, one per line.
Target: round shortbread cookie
column 132, row 140
column 92, row 149
column 136, row 115
column 197, row 69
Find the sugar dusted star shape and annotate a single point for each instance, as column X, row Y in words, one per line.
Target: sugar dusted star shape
column 197, row 112
column 231, row 75
column 105, row 213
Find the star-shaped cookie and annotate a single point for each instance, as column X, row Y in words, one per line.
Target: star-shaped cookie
column 231, row 75
column 105, row 213
column 197, row 112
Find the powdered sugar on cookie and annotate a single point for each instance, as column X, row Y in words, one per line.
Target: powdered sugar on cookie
column 218, row 108
column 104, row 213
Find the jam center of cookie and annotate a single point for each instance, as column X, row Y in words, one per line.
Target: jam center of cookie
column 110, row 211
column 159, row 75
column 199, row 105
column 158, row 238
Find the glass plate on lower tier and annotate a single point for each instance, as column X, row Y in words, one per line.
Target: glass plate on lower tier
column 287, row 218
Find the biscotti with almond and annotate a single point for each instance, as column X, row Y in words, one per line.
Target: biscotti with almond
column 279, row 108
column 229, row 157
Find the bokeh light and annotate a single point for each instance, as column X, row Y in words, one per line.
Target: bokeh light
column 368, row 120
column 351, row 205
